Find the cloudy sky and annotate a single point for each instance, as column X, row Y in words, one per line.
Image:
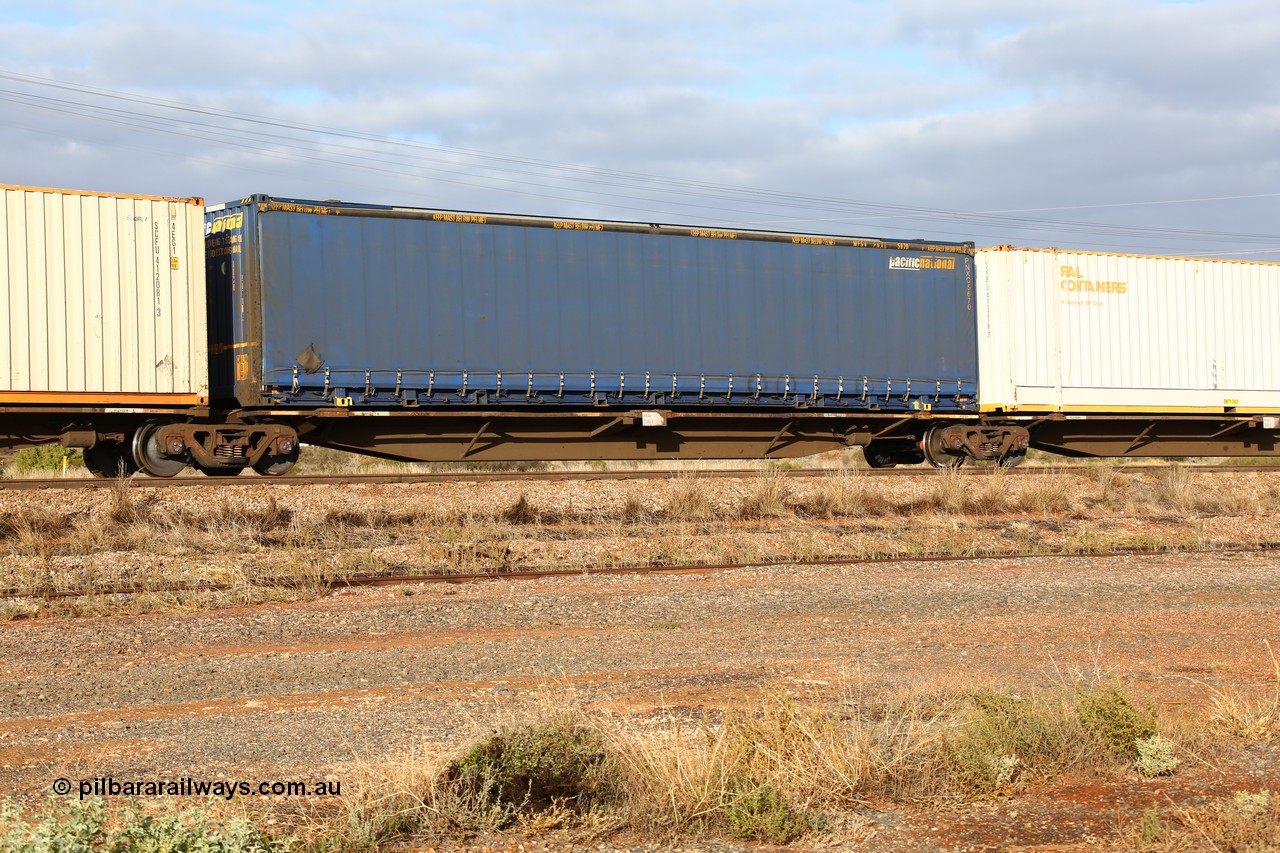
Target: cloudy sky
column 1121, row 125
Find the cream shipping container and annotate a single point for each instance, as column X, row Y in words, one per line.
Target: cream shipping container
column 1081, row 332
column 104, row 299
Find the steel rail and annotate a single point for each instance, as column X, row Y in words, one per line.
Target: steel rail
column 143, row 481
column 370, row 580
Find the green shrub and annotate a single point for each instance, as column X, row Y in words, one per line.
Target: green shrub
column 1115, row 721
column 81, row 826
column 533, row 768
column 1251, row 805
column 46, row 458
column 62, row 825
column 760, row 813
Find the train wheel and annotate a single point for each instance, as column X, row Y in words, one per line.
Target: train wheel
column 147, row 453
column 274, row 466
column 935, row 452
column 110, row 459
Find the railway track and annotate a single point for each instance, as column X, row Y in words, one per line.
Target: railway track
column 357, row 580
column 144, row 481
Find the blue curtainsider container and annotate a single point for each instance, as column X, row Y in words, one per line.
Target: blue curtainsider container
column 317, row 304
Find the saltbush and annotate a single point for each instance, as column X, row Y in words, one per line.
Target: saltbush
column 533, row 768
column 83, row 826
column 761, row 814
column 1115, row 721
column 1155, row 756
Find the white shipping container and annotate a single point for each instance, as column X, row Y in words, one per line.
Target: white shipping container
column 104, row 299
column 1080, row 331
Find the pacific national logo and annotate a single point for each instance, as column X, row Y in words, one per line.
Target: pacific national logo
column 926, row 262
column 1072, row 280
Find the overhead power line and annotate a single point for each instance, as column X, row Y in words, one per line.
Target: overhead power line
column 282, row 139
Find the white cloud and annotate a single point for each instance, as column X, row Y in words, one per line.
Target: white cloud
column 985, row 105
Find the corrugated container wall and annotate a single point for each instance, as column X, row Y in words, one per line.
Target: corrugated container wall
column 382, row 306
column 104, row 298
column 1077, row 331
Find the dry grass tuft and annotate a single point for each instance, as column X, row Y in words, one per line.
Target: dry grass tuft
column 952, row 493
column 521, row 512
column 1176, row 489
column 35, row 530
column 125, row 505
column 689, row 502
column 844, row 495
column 767, row 500
column 948, row 493
column 1249, row 717
column 1045, row 493
column 635, row 511
column 226, row 516
column 543, row 767
column 1246, row 822
column 374, row 517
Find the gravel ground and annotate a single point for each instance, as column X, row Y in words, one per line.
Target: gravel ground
column 320, row 689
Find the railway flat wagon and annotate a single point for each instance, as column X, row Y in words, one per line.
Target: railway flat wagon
column 103, row 313
column 1127, row 355
column 430, row 334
